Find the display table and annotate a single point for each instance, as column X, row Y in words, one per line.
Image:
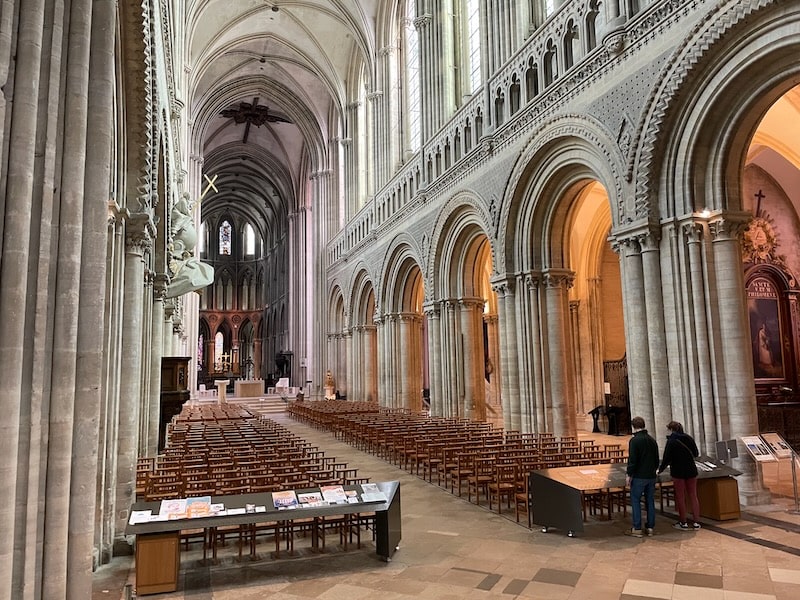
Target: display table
column 557, row 494
column 158, row 547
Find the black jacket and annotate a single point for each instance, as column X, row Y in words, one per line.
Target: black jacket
column 642, row 456
column 679, row 455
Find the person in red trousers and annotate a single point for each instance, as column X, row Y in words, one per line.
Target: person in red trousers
column 679, row 455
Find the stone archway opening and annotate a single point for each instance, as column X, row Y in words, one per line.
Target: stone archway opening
column 596, row 316
column 771, row 261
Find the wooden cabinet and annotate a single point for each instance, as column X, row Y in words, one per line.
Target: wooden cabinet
column 719, row 498
column 157, row 562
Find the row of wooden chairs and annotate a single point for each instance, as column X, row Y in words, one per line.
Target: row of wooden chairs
column 237, row 453
column 486, row 463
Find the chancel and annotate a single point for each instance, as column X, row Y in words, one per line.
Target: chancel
column 450, row 224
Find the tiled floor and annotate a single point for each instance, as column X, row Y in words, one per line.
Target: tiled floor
column 453, row 550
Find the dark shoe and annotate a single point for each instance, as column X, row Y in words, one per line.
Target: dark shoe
column 682, row 526
column 634, row 532
column 650, row 531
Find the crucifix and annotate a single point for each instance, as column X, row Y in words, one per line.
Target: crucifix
column 760, row 196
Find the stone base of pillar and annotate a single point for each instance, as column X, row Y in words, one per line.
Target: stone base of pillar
column 584, row 423
column 123, row 547
column 755, row 498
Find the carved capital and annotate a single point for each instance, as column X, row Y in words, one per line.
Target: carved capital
column 694, row 232
column 727, row 226
column 503, row 286
column 559, row 278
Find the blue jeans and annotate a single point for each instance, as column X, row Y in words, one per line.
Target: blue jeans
column 648, row 488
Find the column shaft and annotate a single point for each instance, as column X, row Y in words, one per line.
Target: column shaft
column 640, row 391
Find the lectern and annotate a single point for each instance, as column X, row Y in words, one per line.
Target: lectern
column 174, row 391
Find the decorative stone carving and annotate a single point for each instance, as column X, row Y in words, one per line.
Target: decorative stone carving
column 188, row 273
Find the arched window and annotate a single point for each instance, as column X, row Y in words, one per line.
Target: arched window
column 412, row 58
column 249, row 240
column 219, row 347
column 225, row 238
column 474, row 39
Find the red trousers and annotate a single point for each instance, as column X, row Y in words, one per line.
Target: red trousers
column 683, row 488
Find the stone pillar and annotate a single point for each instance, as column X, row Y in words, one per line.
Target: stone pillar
column 656, row 333
column 257, row 368
column 156, row 353
column 21, row 140
column 700, row 418
column 562, row 382
column 506, row 365
column 403, row 366
column 437, row 70
column 138, row 241
column 492, row 367
column 349, row 365
column 453, row 381
column 370, row 387
column 737, row 402
column 473, row 358
column 633, row 294
column 380, row 334
column 435, row 358
column 530, row 309
column 145, row 334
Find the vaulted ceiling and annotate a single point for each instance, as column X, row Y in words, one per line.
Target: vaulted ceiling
column 266, row 91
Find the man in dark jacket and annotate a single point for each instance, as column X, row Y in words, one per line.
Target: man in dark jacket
column 641, row 471
column 679, row 455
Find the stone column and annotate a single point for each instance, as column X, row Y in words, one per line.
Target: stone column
column 493, row 359
column 633, row 294
column 435, row 361
column 349, row 364
column 370, row 387
column 737, row 402
column 454, row 379
column 700, row 418
column 532, row 399
column 145, row 333
column 380, row 334
column 656, row 333
column 156, row 353
column 20, row 138
column 562, row 382
column 257, row 369
column 507, row 362
column 138, row 241
column 472, row 337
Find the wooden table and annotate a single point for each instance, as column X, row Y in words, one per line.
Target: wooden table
column 158, row 542
column 557, row 494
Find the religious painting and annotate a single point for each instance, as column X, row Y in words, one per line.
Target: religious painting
column 763, row 305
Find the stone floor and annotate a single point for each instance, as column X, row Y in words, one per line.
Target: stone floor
column 453, row 550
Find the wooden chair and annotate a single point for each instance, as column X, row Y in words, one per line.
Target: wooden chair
column 483, row 473
column 503, row 485
column 522, row 498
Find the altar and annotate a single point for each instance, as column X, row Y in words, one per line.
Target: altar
column 248, row 388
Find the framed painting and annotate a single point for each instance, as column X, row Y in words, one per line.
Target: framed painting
column 766, row 334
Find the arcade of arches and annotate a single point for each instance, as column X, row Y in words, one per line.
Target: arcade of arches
column 588, row 204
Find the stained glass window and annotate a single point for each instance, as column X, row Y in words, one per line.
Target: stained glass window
column 225, row 238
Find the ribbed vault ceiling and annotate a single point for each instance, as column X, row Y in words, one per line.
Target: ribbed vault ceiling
column 289, row 59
